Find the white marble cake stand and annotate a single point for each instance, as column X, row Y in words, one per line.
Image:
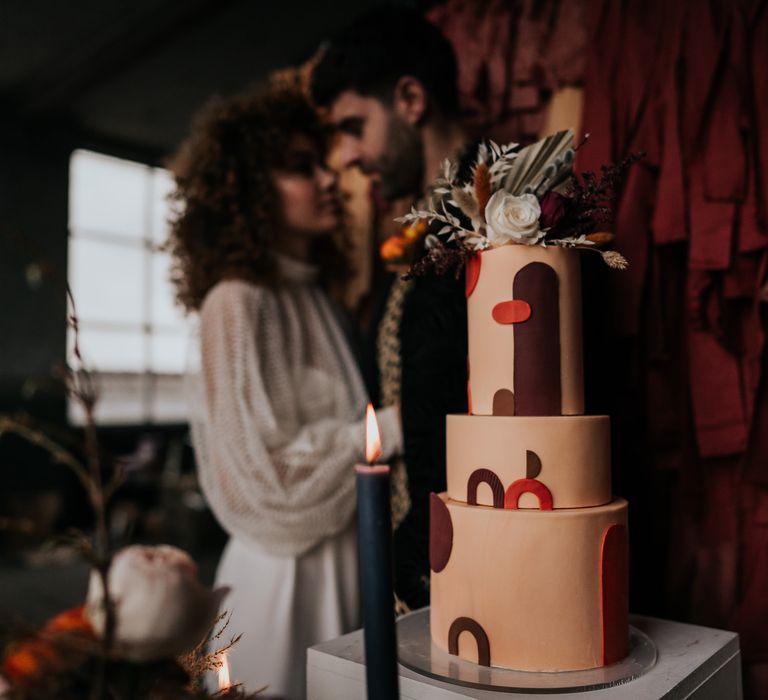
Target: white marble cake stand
column 417, row 652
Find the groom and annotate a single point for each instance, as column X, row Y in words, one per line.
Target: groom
column 389, row 83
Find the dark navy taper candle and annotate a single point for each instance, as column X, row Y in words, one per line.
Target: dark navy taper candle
column 375, row 542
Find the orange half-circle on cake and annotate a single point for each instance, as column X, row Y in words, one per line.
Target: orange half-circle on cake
column 534, row 486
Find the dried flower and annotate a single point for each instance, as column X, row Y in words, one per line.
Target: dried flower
column 600, row 238
column 553, row 207
column 512, row 219
column 441, row 259
column 482, row 181
column 523, row 196
column 393, row 248
column 615, row 260
column 414, row 231
column 593, row 196
column 161, row 608
column 63, row 641
column 466, row 202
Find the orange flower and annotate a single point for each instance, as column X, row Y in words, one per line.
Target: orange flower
column 29, row 659
column 393, row 248
column 73, row 620
column 415, row 230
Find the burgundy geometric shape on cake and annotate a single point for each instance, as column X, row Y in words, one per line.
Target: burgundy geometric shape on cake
column 471, row 274
column 515, row 311
column 532, row 464
column 485, row 476
column 504, row 403
column 467, row 624
column 537, row 343
column 440, row 533
column 534, row 486
column 614, row 587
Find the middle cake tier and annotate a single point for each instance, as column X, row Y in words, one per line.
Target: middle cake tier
column 546, row 462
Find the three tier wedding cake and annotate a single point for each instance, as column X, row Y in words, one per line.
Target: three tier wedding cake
column 528, row 548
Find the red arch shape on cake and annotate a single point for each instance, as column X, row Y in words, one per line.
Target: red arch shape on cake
column 534, row 486
column 467, row 624
column 485, row 476
column 614, row 592
column 472, row 274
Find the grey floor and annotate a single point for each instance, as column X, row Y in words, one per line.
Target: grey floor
column 34, row 594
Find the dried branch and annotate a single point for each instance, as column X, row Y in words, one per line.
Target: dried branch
column 58, row 453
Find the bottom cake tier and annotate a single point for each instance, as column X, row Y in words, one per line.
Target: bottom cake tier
column 528, row 589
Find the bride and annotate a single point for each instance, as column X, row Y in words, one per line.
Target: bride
column 277, row 401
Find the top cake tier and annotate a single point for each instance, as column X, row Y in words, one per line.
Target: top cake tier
column 525, row 335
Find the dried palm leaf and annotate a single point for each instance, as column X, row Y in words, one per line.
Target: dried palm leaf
column 549, row 159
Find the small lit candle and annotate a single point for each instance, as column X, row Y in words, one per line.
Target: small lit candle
column 375, row 541
column 224, row 683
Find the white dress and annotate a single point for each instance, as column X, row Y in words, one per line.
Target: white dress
column 277, row 407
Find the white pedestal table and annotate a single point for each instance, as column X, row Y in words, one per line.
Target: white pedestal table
column 687, row 662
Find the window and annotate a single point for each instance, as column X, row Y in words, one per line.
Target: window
column 131, row 333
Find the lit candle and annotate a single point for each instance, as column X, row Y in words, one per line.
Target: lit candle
column 224, row 683
column 375, row 541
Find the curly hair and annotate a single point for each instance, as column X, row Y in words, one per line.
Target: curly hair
column 225, row 199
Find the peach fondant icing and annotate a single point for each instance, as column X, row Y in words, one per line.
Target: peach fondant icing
column 574, row 453
column 493, row 324
column 532, row 581
column 528, row 547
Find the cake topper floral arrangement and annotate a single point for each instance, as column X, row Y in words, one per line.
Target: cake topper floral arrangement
column 518, row 196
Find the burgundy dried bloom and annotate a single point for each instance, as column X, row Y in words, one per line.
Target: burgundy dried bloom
column 553, row 207
column 441, row 259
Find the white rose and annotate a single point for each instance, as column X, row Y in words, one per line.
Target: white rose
column 513, row 219
column 161, row 608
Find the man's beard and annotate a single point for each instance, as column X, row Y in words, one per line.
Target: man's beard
column 401, row 166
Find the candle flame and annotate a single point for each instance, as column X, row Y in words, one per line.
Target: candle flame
column 372, row 438
column 224, row 673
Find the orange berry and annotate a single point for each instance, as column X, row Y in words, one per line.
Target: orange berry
column 393, row 248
